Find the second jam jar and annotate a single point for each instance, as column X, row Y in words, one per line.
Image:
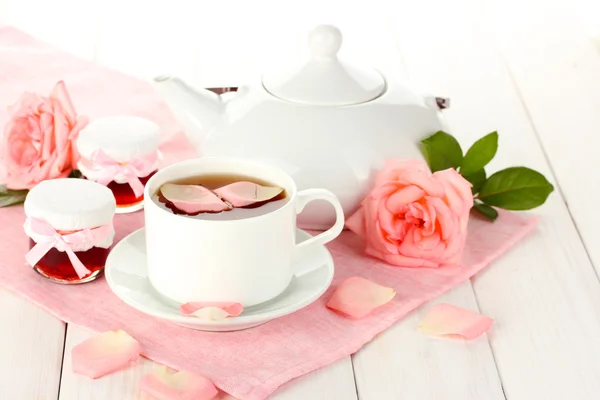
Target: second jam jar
column 120, row 152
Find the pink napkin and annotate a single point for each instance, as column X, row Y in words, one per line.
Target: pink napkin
column 248, row 364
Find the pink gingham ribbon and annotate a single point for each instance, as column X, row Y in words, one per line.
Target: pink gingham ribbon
column 131, row 171
column 51, row 238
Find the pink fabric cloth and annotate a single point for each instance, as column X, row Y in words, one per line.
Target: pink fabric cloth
column 249, row 364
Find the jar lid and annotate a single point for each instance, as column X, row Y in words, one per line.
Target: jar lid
column 122, row 138
column 71, row 203
column 325, row 80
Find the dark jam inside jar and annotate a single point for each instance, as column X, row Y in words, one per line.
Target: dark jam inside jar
column 124, row 195
column 57, row 266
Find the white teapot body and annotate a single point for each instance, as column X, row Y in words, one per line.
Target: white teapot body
column 336, row 147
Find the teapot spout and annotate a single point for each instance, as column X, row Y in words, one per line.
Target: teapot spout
column 196, row 110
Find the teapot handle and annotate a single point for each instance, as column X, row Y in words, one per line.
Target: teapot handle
column 221, row 90
column 439, row 103
column 227, row 93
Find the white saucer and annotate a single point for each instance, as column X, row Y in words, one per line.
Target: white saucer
column 127, row 276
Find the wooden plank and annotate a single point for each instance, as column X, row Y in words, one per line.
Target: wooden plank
column 402, row 363
column 562, row 97
column 588, row 12
column 334, row 382
column 31, row 349
column 543, row 294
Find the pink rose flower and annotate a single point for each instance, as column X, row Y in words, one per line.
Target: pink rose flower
column 413, row 218
column 38, row 142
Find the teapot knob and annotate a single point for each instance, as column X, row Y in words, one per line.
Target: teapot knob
column 325, row 41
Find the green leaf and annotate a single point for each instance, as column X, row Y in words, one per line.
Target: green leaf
column 480, row 154
column 75, row 174
column 516, row 188
column 442, row 151
column 9, row 197
column 6, row 201
column 4, row 191
column 487, row 211
column 477, row 180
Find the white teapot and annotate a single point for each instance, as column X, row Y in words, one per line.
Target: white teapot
column 327, row 123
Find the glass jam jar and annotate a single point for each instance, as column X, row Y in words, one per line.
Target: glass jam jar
column 70, row 228
column 120, row 152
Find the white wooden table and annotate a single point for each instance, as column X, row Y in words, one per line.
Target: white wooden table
column 526, row 68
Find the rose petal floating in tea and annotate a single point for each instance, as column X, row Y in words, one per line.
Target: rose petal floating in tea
column 212, row 311
column 243, row 193
column 164, row 385
column 451, row 321
column 193, row 199
column 356, row 297
column 105, row 353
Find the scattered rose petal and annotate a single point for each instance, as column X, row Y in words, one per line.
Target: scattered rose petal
column 105, row 353
column 213, row 311
column 242, row 194
column 193, row 199
column 164, row 385
column 356, row 297
column 233, row 309
column 451, row 321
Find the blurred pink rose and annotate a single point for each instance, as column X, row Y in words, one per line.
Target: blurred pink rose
column 38, row 141
column 413, row 218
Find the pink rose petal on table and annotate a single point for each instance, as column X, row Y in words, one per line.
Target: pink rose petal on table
column 451, row 321
column 242, row 194
column 210, row 314
column 105, row 353
column 356, row 297
column 193, row 198
column 233, row 309
column 164, row 385
column 213, row 311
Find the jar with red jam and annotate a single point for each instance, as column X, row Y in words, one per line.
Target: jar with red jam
column 70, row 228
column 120, row 152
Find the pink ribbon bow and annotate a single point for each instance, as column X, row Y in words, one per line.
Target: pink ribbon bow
column 132, row 171
column 51, row 238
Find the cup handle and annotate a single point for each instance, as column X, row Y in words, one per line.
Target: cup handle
column 302, row 249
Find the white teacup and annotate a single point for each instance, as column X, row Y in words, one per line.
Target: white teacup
column 249, row 260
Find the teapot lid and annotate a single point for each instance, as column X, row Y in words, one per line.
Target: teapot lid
column 325, row 80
